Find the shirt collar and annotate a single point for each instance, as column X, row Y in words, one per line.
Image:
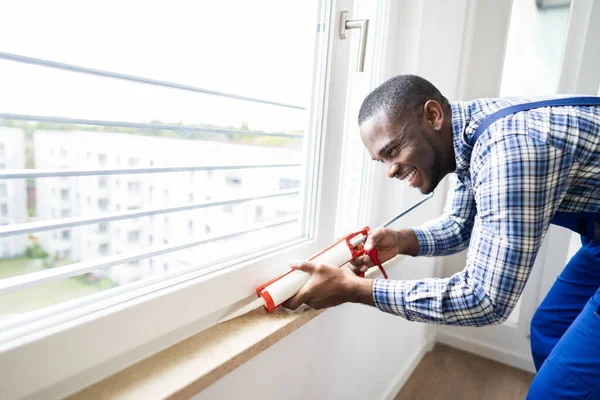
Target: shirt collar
column 461, row 118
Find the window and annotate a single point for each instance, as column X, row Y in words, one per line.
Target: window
column 103, row 227
column 233, row 181
column 64, row 194
column 103, row 204
column 103, row 249
column 65, row 213
column 2, row 150
column 65, row 235
column 3, row 190
column 286, row 183
column 102, row 182
column 3, row 210
column 249, row 145
column 134, row 187
column 133, row 236
column 63, row 153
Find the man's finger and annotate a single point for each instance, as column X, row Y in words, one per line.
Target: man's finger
column 375, row 237
column 305, row 266
column 296, row 301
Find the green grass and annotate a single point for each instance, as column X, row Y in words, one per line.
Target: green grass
column 45, row 294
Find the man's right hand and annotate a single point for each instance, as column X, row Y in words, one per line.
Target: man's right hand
column 389, row 243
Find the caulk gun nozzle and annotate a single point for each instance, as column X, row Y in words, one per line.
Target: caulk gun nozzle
column 245, row 309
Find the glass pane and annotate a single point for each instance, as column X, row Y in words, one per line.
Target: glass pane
column 226, row 46
column 534, row 49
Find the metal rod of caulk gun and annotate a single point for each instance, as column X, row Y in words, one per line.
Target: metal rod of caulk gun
column 355, row 241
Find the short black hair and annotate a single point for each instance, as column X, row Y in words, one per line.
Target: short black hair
column 400, row 97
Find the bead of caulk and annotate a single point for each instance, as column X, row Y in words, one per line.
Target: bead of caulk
column 259, row 302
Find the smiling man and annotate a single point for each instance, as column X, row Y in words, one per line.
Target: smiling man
column 518, row 165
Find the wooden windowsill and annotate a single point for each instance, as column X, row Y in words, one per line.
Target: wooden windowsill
column 184, row 369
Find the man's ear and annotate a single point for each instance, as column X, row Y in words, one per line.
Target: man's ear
column 433, row 114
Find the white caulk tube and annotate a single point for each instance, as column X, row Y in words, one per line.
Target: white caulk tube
column 275, row 292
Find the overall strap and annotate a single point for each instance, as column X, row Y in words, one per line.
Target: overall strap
column 586, row 224
column 568, row 101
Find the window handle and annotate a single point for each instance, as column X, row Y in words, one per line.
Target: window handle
column 363, row 25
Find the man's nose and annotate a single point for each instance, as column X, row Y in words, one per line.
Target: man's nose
column 392, row 169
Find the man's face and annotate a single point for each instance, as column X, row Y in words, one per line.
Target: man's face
column 408, row 149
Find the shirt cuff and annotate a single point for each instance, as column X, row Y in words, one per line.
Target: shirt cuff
column 426, row 242
column 389, row 296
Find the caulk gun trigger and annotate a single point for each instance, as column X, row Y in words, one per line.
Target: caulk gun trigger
column 374, row 257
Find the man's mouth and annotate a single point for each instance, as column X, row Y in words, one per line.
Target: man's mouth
column 411, row 175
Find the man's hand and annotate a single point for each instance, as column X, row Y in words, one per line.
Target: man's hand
column 329, row 286
column 389, row 243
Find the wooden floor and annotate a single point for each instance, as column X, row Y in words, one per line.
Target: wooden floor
column 448, row 374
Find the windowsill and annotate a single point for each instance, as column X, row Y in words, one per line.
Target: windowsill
column 191, row 365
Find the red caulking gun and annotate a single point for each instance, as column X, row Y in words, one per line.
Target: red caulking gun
column 276, row 291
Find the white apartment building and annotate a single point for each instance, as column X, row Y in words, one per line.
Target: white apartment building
column 96, row 195
column 13, row 193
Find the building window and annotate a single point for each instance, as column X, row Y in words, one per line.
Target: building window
column 63, row 153
column 233, row 181
column 191, row 197
column 207, row 229
column 166, row 196
column 103, row 204
column 4, row 210
column 134, row 186
column 2, row 150
column 66, row 255
column 103, row 227
column 133, row 162
column 190, row 228
column 228, row 208
column 133, row 236
column 65, row 213
column 103, row 249
column 102, row 158
column 259, row 212
column 285, row 183
column 150, row 240
column 65, row 235
column 64, row 194
column 3, row 190
column 102, row 182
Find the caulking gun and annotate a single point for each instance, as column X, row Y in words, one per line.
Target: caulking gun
column 276, row 291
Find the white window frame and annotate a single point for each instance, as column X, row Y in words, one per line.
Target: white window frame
column 123, row 328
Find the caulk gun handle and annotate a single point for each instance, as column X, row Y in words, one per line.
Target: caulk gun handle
column 375, row 258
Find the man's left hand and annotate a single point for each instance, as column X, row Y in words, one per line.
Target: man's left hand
column 329, row 286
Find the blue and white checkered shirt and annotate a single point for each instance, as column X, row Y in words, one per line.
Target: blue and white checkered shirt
column 506, row 189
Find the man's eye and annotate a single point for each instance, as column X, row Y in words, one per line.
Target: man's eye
column 390, row 152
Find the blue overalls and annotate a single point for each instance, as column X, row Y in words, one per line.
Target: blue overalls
column 565, row 330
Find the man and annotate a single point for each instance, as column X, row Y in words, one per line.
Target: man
column 523, row 169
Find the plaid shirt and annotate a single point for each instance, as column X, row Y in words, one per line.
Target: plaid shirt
column 506, row 189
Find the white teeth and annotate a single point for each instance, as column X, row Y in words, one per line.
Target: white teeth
column 411, row 175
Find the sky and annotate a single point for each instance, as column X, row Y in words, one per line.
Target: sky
column 262, row 49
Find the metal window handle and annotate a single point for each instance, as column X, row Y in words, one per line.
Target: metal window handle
column 363, row 25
